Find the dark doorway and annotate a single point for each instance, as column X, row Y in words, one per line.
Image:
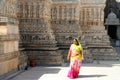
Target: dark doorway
column 112, row 31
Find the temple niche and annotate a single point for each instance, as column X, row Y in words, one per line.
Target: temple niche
column 112, row 22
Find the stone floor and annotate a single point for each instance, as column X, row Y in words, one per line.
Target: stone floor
column 105, row 70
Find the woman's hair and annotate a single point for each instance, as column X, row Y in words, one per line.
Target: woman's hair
column 77, row 41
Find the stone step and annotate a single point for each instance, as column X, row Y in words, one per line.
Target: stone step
column 10, row 75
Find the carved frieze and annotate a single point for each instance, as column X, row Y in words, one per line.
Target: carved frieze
column 65, row 12
column 91, row 16
column 8, row 8
column 92, row 2
column 8, row 20
column 34, row 9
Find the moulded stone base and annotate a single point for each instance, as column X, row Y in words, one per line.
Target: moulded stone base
column 45, row 57
column 8, row 66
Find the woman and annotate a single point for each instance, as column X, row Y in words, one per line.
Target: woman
column 75, row 55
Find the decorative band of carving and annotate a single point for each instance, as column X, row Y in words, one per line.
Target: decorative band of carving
column 10, row 20
column 9, row 37
column 8, row 56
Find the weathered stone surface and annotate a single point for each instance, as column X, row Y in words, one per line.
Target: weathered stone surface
column 45, row 57
column 9, row 37
column 48, row 27
column 9, row 47
column 37, row 37
column 23, row 61
column 7, row 66
column 8, row 8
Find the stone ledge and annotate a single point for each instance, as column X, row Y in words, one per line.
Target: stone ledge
column 9, row 37
column 10, row 75
column 8, row 20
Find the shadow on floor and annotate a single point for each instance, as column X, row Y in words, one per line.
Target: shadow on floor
column 36, row 72
column 97, row 64
column 103, row 63
column 88, row 76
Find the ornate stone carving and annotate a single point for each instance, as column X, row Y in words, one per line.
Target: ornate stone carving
column 35, row 29
column 8, row 8
column 9, row 36
column 48, row 27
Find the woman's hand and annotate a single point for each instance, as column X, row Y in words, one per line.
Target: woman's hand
column 82, row 56
column 68, row 56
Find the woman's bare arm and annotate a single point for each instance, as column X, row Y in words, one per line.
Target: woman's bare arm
column 68, row 56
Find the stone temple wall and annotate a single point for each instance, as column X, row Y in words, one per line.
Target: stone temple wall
column 48, row 27
column 37, row 37
column 43, row 30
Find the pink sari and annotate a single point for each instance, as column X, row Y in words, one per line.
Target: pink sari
column 75, row 61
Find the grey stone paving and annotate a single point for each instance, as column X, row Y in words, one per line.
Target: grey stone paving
column 107, row 70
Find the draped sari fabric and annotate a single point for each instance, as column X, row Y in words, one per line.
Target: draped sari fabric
column 76, row 58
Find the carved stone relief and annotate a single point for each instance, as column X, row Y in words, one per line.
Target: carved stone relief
column 8, row 8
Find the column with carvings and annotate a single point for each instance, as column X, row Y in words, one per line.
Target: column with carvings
column 9, row 37
column 96, row 38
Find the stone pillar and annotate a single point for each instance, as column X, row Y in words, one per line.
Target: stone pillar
column 9, row 37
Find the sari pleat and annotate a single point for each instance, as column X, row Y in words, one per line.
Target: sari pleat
column 74, row 69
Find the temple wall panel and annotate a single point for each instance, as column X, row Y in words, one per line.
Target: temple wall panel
column 92, row 16
column 10, row 46
column 8, row 8
column 65, row 11
column 8, row 66
column 3, row 30
column 34, row 9
column 92, row 2
column 12, row 29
